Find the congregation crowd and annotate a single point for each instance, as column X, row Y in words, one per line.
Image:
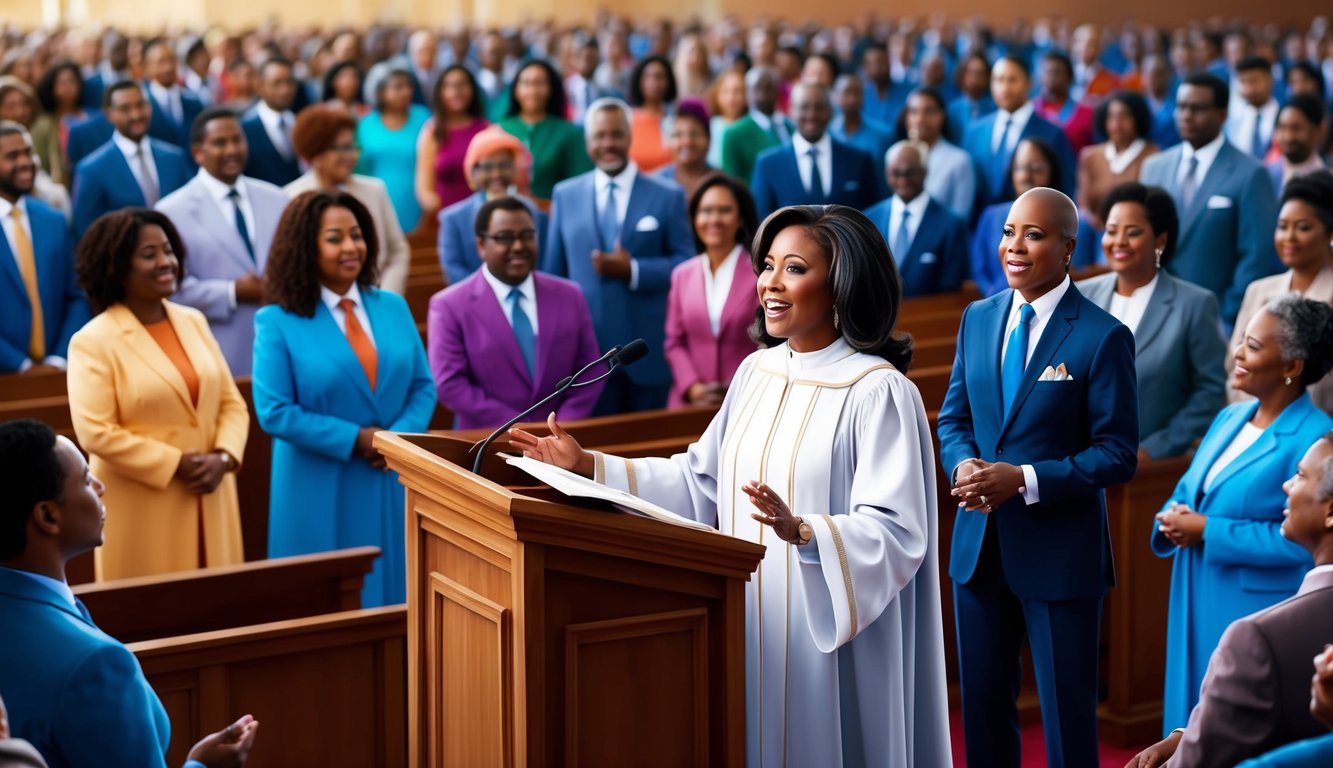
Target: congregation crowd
column 181, row 210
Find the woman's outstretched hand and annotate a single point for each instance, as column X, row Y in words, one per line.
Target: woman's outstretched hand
column 560, row 449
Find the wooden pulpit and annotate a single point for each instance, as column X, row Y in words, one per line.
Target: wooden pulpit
column 547, row 631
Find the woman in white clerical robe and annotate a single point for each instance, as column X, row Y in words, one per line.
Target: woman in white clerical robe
column 821, row 452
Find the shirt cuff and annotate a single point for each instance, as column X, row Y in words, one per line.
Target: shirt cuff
column 26, row 364
column 1029, row 491
column 56, row 361
column 231, row 295
column 634, row 274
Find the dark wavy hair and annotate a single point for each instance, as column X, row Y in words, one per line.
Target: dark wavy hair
column 475, row 108
column 291, row 279
column 744, row 205
column 866, row 286
column 555, row 99
column 935, row 95
column 326, row 91
column 1157, row 204
column 102, row 257
column 635, row 93
column 46, row 86
column 1315, row 190
column 1051, row 156
column 31, row 473
column 1138, row 112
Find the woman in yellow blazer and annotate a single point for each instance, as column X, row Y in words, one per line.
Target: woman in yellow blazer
column 155, row 405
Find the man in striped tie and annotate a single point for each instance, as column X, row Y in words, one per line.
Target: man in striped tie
column 40, row 304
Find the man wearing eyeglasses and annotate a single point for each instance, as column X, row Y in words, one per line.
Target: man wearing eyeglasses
column 505, row 336
column 927, row 241
column 227, row 221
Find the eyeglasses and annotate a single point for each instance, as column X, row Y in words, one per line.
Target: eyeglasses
column 506, row 238
column 345, row 148
column 1032, row 168
column 499, row 166
column 900, row 173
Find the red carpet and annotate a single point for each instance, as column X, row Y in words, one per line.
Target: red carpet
column 1034, row 747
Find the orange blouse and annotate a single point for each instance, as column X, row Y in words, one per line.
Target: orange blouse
column 166, row 338
column 648, row 148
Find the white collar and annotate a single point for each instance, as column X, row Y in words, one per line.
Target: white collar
column 802, row 147
column 1307, row 582
column 528, row 287
column 270, row 115
column 218, row 189
column 159, row 89
column 6, row 207
column 128, row 147
column 917, row 207
column 1018, row 116
column 1119, row 161
column 764, row 121
column 798, row 362
column 331, row 299
column 624, row 180
column 1207, row 153
column 1044, row 305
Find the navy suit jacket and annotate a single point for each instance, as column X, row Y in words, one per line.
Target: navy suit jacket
column 105, row 182
column 264, row 161
column 64, row 309
column 656, row 232
column 87, row 137
column 1226, row 233
column 1080, row 435
column 994, row 184
column 76, row 694
column 963, row 112
column 164, row 128
column 457, row 240
column 777, row 180
column 936, row 261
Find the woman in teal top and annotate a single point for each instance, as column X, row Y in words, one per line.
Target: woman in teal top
column 388, row 139
column 536, row 115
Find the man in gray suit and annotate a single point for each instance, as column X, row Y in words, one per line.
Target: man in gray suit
column 1256, row 693
column 227, row 222
column 1226, row 202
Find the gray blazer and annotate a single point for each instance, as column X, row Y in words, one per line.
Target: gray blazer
column 215, row 257
column 1226, row 234
column 1179, row 353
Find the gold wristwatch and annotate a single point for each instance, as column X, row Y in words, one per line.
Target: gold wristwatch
column 804, row 531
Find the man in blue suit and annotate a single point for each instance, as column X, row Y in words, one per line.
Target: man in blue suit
column 618, row 233
column 852, row 127
column 1227, row 206
column 174, row 108
column 1040, row 416
column 114, row 67
column 227, row 222
column 268, row 126
column 991, row 140
column 928, row 242
column 814, row 168
column 133, row 169
column 36, row 260
column 75, row 693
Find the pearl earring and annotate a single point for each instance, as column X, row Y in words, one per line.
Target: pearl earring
column 1287, row 381
column 1159, row 253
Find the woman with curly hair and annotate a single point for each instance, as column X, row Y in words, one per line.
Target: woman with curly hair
column 153, row 402
column 336, row 360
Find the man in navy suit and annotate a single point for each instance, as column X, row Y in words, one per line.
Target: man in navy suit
column 75, row 693
column 174, row 108
column 928, row 242
column 86, row 137
column 991, row 140
column 1227, row 206
column 132, row 169
column 36, row 260
column 814, row 168
column 1040, row 416
column 618, row 233
column 268, row 126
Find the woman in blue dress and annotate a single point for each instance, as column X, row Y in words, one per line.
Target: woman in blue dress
column 388, row 140
column 336, row 360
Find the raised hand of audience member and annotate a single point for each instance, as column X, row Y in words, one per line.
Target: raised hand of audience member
column 229, row 747
column 365, row 447
column 249, row 289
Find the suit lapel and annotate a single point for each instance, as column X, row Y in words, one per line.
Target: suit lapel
column 992, row 349
column 195, row 349
column 1219, row 170
column 1154, row 317
column 10, row 268
column 1278, row 431
column 334, row 340
column 142, row 344
column 492, row 318
column 1057, row 329
column 548, row 323
column 266, row 224
column 206, row 212
column 120, row 166
column 635, row 210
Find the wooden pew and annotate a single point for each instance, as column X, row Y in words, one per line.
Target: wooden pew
column 327, row 690
column 208, row 599
column 916, row 306
column 933, row 325
column 31, row 386
column 932, row 353
column 933, row 382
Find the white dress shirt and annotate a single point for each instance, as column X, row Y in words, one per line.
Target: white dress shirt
column 169, row 98
column 1129, row 309
column 717, row 285
column 1240, row 127
column 916, row 209
column 624, row 184
column 1243, row 439
column 332, row 300
column 220, row 193
column 1307, row 581
column 772, row 124
column 131, row 152
column 528, row 297
column 269, row 117
column 1011, row 122
column 7, row 223
column 824, row 157
column 1206, row 154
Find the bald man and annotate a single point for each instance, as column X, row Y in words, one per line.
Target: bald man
column 1031, row 455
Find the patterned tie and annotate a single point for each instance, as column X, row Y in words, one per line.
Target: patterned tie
column 151, row 191
column 816, row 179
column 361, row 344
column 901, row 242
column 28, row 271
column 527, row 339
column 1187, row 183
column 607, row 225
column 1015, row 356
column 241, row 227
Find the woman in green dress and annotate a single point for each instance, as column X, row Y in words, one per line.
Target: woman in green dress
column 536, row 115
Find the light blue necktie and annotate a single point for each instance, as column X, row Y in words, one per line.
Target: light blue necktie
column 1188, row 183
column 1257, row 147
column 1015, row 356
column 607, row 225
column 901, row 242
column 527, row 338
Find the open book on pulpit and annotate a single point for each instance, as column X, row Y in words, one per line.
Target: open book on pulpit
column 571, row 484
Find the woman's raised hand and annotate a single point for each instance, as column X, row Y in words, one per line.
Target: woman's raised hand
column 560, row 449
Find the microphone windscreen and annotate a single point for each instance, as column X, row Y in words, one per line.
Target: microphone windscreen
column 632, row 352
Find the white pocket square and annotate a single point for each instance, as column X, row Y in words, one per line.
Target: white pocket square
column 927, row 258
column 648, row 223
column 1220, row 201
column 1059, row 373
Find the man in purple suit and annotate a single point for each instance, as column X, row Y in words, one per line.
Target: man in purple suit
column 505, row 336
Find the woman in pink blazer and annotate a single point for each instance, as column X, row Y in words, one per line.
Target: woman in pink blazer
column 712, row 301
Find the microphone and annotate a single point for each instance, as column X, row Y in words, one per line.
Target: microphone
column 618, row 355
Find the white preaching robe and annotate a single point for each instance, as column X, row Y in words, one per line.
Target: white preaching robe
column 845, row 648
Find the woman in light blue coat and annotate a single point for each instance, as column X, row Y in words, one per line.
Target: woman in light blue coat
column 1223, row 522
column 336, row 359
